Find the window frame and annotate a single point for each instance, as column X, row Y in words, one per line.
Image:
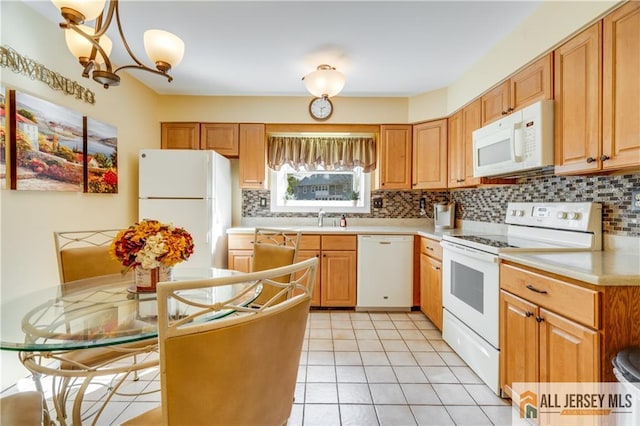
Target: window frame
column 277, row 204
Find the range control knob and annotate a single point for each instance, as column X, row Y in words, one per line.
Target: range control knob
column 573, row 215
column 520, row 213
column 561, row 215
column 512, row 212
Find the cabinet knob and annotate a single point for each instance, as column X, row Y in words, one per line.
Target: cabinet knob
column 324, row 255
column 604, row 157
column 436, row 268
column 510, row 110
column 504, row 113
column 528, row 314
column 539, row 319
column 590, row 160
column 317, row 255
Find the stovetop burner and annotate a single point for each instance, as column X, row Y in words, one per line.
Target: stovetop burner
column 498, row 241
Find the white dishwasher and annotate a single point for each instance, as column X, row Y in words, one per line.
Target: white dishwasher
column 385, row 272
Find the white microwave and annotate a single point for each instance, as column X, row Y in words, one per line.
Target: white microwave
column 521, row 141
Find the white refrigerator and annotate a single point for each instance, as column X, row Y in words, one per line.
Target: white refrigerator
column 192, row 190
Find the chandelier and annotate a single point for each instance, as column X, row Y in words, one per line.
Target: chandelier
column 324, row 82
column 92, row 47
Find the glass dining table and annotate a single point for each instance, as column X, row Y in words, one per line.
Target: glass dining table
column 99, row 326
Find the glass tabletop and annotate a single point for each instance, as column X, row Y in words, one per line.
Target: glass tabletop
column 100, row 311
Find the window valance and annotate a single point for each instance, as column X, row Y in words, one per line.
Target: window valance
column 328, row 153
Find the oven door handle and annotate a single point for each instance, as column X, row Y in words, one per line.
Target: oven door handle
column 476, row 254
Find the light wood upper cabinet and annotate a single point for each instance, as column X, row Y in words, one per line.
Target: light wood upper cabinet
column 393, row 170
column 220, row 137
column 461, row 127
column 531, row 84
column 180, row 136
column 495, row 103
column 430, row 155
column 621, row 100
column 252, row 162
column 577, row 102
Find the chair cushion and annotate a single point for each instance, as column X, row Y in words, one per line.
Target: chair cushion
column 24, row 409
column 269, row 256
column 86, row 262
column 151, row 417
column 97, row 356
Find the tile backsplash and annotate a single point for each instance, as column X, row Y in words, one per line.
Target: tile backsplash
column 489, row 204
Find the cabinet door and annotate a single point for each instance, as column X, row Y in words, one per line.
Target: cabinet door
column 569, row 352
column 495, row 103
column 252, row 162
column 456, row 151
column 430, row 155
column 308, row 254
column 577, row 103
column 338, row 278
column 621, row 102
column 471, row 120
column 240, row 260
column 518, row 341
column 532, row 84
column 394, row 157
column 431, row 289
column 180, row 136
column 220, row 137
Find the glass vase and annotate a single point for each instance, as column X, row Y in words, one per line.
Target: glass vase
column 147, row 279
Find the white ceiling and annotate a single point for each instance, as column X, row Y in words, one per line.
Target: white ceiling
column 264, row 48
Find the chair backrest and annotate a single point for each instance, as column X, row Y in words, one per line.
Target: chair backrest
column 238, row 370
column 24, row 409
column 273, row 248
column 85, row 254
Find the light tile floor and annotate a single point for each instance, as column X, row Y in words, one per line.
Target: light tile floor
column 360, row 369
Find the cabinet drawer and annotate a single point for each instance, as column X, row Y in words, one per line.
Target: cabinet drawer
column 572, row 301
column 309, row 242
column 339, row 242
column 241, row 242
column 431, row 248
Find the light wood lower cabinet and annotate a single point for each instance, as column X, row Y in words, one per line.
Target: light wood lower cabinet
column 336, row 274
column 431, row 280
column 556, row 329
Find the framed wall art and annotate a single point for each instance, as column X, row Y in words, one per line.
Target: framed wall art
column 102, row 157
column 49, row 145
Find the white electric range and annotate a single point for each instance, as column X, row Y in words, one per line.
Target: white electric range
column 470, row 273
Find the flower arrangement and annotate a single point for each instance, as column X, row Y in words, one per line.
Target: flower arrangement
column 150, row 244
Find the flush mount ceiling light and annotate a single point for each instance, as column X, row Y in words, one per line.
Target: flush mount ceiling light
column 92, row 47
column 324, row 82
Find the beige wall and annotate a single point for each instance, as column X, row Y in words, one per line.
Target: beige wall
column 29, row 218
column 553, row 22
column 280, row 109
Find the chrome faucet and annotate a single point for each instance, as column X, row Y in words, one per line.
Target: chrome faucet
column 321, row 214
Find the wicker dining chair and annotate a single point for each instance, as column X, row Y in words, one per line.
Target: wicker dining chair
column 238, row 370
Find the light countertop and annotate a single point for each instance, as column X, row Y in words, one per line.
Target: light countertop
column 606, row 268
column 594, row 267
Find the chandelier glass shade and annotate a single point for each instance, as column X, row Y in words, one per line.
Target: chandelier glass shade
column 325, row 81
column 92, row 47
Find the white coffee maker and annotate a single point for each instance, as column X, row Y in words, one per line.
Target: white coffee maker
column 444, row 215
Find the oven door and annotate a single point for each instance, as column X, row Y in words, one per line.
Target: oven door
column 470, row 289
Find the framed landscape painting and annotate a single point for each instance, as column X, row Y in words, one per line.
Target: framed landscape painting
column 49, row 141
column 102, row 157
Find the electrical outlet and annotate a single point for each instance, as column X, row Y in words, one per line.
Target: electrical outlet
column 263, row 202
column 635, row 201
column 423, row 203
column 377, row 203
